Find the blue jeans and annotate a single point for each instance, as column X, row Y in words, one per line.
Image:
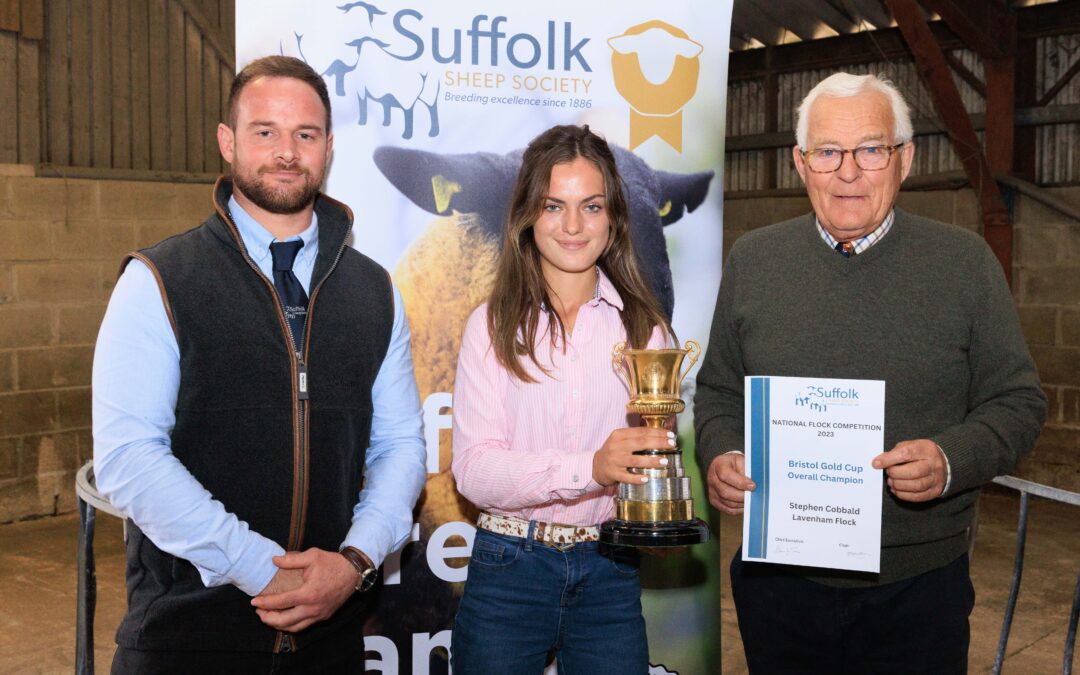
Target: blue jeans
column 524, row 599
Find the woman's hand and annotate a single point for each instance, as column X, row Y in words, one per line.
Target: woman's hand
column 612, row 461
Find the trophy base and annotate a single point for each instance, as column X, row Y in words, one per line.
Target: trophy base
column 618, row 532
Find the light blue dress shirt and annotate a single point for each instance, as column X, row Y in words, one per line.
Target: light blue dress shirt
column 135, row 384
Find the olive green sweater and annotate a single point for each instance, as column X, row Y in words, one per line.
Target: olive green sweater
column 928, row 311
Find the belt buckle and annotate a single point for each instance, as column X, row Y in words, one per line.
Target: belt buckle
column 549, row 539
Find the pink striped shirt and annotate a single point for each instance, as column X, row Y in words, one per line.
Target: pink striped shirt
column 526, row 449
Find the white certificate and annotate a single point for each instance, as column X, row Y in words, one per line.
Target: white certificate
column 809, row 444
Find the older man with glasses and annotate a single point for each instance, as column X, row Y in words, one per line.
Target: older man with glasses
column 860, row 289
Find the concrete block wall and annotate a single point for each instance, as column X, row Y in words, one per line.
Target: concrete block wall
column 1046, row 284
column 1046, row 287
column 61, row 243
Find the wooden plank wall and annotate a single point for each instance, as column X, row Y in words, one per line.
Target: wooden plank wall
column 120, row 84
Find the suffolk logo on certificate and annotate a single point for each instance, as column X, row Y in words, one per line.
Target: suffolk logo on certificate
column 809, row 444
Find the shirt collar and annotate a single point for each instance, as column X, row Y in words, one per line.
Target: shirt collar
column 863, row 243
column 605, row 290
column 257, row 239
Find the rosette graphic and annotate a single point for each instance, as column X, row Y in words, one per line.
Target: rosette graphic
column 656, row 68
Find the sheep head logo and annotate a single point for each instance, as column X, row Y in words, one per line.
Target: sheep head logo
column 656, row 70
column 371, row 69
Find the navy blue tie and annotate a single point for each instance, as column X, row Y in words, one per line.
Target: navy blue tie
column 293, row 298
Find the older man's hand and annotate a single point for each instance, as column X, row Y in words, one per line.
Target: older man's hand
column 916, row 470
column 727, row 482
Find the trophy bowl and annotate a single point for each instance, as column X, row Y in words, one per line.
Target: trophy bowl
column 660, row 512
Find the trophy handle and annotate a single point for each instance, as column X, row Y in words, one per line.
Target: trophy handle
column 693, row 350
column 618, row 361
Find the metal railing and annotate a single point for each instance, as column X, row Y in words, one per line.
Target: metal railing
column 90, row 502
column 1026, row 489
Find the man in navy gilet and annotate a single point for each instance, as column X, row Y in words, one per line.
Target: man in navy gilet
column 256, row 417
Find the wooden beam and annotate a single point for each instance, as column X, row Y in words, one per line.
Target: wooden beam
column 1000, row 75
column 32, row 17
column 833, row 52
column 219, row 42
column 1060, row 84
column 1001, row 101
column 772, row 112
column 931, row 65
column 9, row 15
column 977, row 22
column 739, row 40
column 1024, row 119
column 1025, row 138
column 874, row 13
column 30, row 101
column 1059, row 18
column 793, row 16
column 966, row 75
column 746, row 19
column 1055, row 18
column 100, row 86
column 9, row 112
column 57, row 95
column 839, row 21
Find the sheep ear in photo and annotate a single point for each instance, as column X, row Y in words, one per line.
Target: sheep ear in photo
column 477, row 182
column 681, row 193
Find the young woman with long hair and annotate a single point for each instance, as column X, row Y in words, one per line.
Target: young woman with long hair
column 541, row 435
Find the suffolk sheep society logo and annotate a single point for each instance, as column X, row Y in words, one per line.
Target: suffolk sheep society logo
column 375, row 68
column 396, row 62
column 818, row 398
column 656, row 69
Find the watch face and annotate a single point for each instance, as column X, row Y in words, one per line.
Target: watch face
column 367, row 579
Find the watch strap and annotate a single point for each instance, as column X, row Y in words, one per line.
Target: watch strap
column 366, row 571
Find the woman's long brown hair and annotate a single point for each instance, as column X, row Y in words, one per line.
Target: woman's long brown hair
column 521, row 294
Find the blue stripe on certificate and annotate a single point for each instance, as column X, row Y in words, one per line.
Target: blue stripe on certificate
column 759, row 467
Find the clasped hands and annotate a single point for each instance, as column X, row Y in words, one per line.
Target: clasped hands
column 915, row 472
column 309, row 586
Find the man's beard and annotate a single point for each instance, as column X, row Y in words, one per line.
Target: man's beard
column 280, row 200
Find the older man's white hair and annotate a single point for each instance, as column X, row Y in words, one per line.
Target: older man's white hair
column 846, row 85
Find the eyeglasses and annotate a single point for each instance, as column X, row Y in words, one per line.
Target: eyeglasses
column 867, row 157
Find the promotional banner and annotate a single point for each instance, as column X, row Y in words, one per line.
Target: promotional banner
column 433, row 103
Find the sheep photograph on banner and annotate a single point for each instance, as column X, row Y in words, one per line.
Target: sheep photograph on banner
column 433, row 104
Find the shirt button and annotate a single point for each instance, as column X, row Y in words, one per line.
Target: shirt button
column 573, row 357
column 576, row 393
column 575, row 477
column 572, row 430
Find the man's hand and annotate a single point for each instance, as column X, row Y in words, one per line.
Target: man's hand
column 727, row 481
column 284, row 580
column 915, row 469
column 612, row 461
column 328, row 579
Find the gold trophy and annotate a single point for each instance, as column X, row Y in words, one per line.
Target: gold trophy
column 660, row 512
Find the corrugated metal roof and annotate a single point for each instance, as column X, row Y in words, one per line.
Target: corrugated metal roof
column 756, row 23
